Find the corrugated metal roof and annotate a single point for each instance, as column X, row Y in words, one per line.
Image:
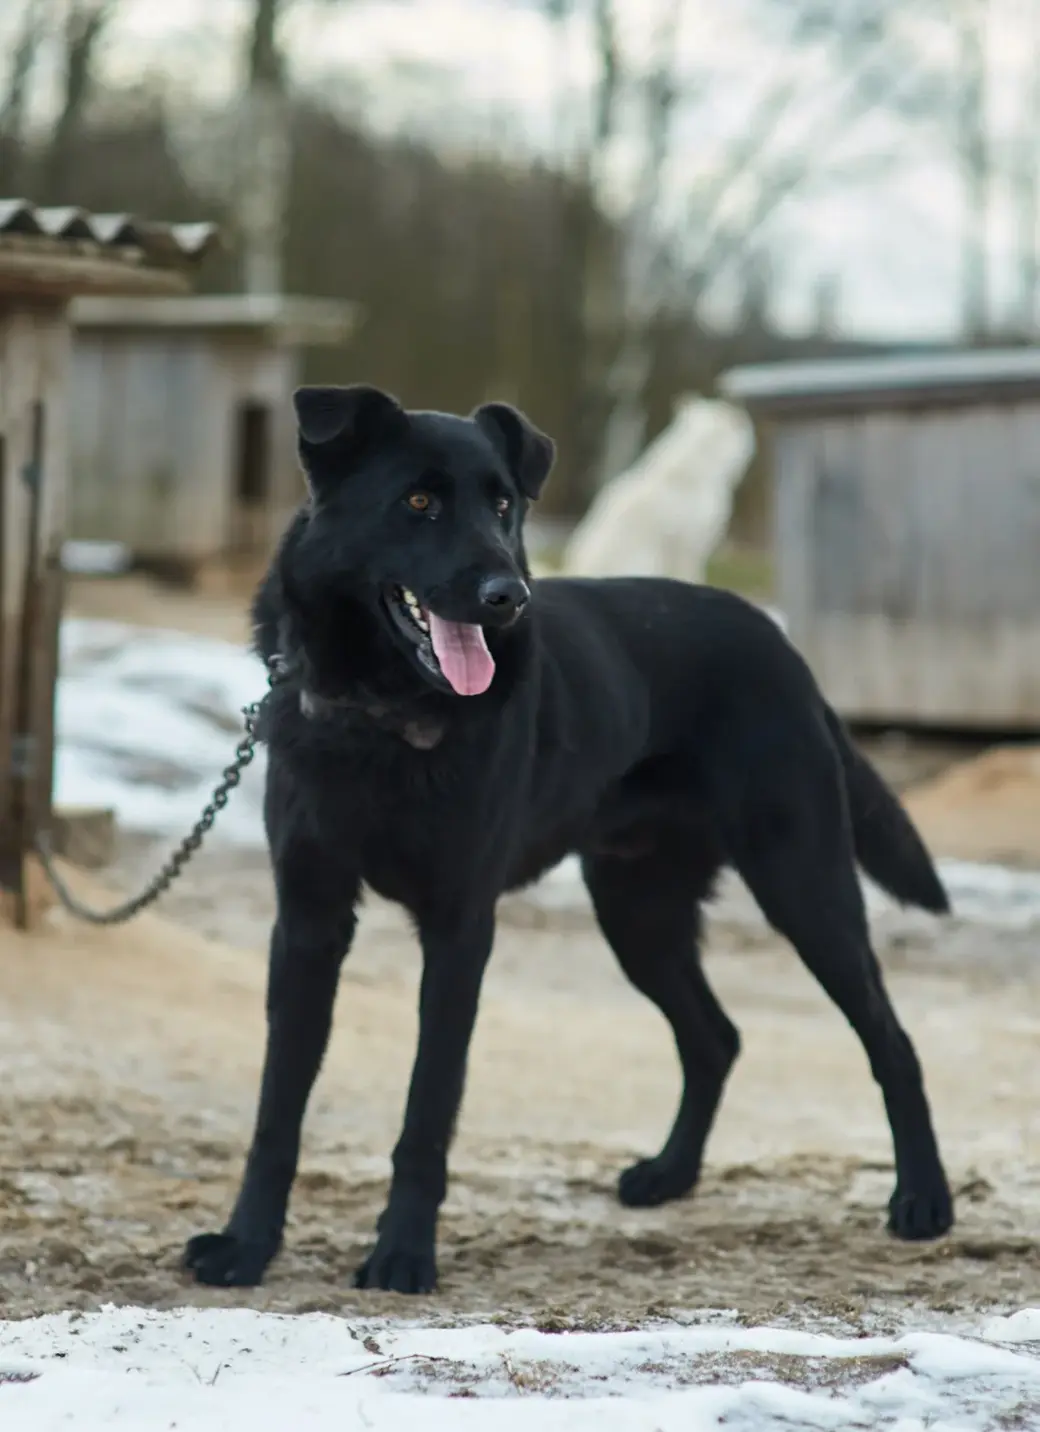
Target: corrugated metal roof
column 160, row 243
column 70, row 249
column 956, row 376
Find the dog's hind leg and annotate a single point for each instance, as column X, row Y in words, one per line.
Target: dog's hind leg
column 793, row 847
column 649, row 911
column 312, row 933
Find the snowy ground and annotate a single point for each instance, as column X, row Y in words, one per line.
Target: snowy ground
column 227, row 1370
column 146, row 722
column 148, row 719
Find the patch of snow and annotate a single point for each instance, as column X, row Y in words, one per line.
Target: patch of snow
column 989, row 895
column 992, row 894
column 1020, row 1327
column 216, row 1370
column 146, row 721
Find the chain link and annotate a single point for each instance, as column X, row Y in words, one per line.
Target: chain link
column 161, row 882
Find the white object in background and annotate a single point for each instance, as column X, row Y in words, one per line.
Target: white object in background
column 95, row 559
column 668, row 513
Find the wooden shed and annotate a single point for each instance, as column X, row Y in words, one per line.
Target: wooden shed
column 183, row 445
column 906, row 530
column 47, row 257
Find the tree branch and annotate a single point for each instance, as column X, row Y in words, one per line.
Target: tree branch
column 23, row 59
column 85, row 25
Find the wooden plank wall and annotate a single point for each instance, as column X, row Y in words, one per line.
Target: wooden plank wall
column 155, row 440
column 907, row 561
column 147, row 459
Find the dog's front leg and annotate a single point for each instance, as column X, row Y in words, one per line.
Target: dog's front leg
column 455, row 955
column 311, row 936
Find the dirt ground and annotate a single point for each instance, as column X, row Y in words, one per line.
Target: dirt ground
column 129, row 1063
column 220, row 612
column 987, row 808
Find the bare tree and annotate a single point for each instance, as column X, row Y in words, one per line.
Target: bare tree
column 971, row 19
column 767, row 175
column 628, row 376
column 264, row 148
column 1025, row 181
column 723, row 219
column 262, row 171
column 583, row 154
column 83, row 26
column 29, row 38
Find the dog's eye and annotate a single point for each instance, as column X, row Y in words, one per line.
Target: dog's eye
column 503, row 506
column 420, row 501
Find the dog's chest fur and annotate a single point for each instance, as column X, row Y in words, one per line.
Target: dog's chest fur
column 404, row 802
column 422, row 732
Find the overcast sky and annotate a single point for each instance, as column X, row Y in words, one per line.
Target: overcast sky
column 892, row 241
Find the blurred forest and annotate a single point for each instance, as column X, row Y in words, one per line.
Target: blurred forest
column 500, row 269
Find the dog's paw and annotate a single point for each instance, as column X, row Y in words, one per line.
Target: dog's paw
column 398, row 1269
column 221, row 1260
column 917, row 1214
column 655, row 1181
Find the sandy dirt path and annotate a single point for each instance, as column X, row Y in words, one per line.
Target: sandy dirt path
column 129, row 1062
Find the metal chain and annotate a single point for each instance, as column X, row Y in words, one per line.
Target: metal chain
column 160, row 883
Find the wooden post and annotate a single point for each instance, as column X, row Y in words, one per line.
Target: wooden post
column 10, row 865
column 30, row 664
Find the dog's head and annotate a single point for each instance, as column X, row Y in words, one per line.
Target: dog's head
column 420, row 516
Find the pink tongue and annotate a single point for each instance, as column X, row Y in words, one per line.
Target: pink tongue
column 463, row 655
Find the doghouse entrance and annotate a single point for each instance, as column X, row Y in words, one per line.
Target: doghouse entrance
column 251, row 493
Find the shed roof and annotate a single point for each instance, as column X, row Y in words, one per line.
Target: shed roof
column 59, row 252
column 276, row 318
column 971, row 376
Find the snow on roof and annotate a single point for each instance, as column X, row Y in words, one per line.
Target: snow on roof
column 65, row 249
column 952, row 377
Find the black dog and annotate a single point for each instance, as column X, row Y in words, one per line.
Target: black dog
column 449, row 730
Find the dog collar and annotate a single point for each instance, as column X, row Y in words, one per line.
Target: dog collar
column 422, row 733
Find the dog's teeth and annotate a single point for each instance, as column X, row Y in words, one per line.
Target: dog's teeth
column 415, row 611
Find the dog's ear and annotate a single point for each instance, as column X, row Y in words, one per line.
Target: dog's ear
column 343, row 420
column 528, row 452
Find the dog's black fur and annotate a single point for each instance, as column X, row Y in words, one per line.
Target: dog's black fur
column 660, row 730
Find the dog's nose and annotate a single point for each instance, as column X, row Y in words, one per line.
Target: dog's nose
column 505, row 596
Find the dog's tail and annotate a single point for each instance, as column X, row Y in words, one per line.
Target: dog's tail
column 888, row 846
